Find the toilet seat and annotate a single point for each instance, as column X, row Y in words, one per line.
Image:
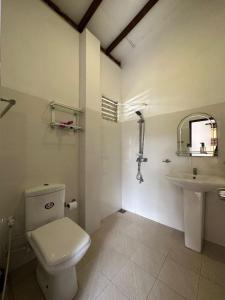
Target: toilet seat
column 59, row 244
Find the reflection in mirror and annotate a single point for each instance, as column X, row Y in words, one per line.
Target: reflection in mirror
column 197, row 136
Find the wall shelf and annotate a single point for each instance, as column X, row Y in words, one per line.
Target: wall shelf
column 70, row 125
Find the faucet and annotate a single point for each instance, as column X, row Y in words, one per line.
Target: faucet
column 195, row 171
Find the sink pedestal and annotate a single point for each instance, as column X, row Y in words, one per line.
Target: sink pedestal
column 194, row 215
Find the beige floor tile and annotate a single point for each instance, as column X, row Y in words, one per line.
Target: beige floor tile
column 149, row 259
column 135, row 231
column 91, row 282
column 160, row 239
column 134, row 218
column 187, row 258
column 111, row 293
column 19, row 275
column 109, row 262
column 134, row 282
column 213, row 251
column 213, row 270
column 182, row 280
column 161, row 291
column 177, row 239
column 121, row 242
column 114, row 221
column 130, row 251
column 28, row 289
column 210, row 291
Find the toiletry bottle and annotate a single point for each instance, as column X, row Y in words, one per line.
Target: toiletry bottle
column 202, row 148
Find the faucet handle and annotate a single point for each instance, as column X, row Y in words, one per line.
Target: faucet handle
column 166, row 160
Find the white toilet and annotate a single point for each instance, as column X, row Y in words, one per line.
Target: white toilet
column 58, row 242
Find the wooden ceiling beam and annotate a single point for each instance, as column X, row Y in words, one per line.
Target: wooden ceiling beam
column 111, row 57
column 88, row 15
column 131, row 25
column 56, row 9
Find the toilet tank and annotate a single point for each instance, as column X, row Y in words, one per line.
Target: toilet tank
column 44, row 204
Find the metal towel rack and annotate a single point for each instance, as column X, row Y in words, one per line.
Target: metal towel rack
column 11, row 102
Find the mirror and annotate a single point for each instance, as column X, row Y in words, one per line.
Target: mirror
column 197, row 136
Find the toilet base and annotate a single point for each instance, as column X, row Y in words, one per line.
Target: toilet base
column 59, row 286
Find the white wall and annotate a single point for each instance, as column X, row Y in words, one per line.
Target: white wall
column 178, row 66
column 156, row 198
column 40, row 63
column 90, row 140
column 40, row 53
column 110, row 143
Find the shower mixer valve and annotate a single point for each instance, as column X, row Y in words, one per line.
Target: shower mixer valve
column 141, row 159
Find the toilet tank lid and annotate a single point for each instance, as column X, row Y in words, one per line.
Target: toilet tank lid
column 44, row 189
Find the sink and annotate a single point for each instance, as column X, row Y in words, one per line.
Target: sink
column 197, row 183
column 195, row 188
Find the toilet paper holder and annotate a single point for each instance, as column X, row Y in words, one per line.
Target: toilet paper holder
column 71, row 205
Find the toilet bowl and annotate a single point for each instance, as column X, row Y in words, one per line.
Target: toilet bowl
column 58, row 242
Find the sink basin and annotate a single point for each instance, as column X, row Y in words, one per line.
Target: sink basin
column 198, row 183
column 194, row 189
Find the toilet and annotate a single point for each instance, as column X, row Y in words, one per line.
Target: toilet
column 57, row 241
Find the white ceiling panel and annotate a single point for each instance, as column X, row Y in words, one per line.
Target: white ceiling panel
column 112, row 17
column 123, row 50
column 75, row 9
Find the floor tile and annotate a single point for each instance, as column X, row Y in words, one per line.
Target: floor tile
column 182, row 280
column 187, row 258
column 112, row 293
column 115, row 222
column 159, row 238
column 135, row 231
column 161, row 291
column 121, row 243
column 149, row 259
column 19, row 275
column 91, row 282
column 213, row 270
column 28, row 289
column 210, row 291
column 213, row 251
column 126, row 255
column 110, row 262
column 134, row 282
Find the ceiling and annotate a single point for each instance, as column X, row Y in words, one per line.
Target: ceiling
column 110, row 18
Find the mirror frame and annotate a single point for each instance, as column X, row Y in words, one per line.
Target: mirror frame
column 201, row 116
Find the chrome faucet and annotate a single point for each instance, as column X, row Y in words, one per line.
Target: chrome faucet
column 195, row 171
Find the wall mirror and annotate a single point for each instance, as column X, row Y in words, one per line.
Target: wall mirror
column 197, row 136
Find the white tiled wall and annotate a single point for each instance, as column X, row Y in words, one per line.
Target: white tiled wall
column 157, row 198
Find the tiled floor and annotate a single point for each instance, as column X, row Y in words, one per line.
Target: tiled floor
column 137, row 259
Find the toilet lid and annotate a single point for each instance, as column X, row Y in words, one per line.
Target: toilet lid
column 59, row 240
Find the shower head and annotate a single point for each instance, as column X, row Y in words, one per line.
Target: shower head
column 139, row 114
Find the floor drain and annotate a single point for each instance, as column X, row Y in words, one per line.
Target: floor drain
column 122, row 211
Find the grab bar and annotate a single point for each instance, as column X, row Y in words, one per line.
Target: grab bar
column 10, row 102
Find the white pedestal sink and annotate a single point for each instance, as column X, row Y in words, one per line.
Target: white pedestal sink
column 195, row 188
